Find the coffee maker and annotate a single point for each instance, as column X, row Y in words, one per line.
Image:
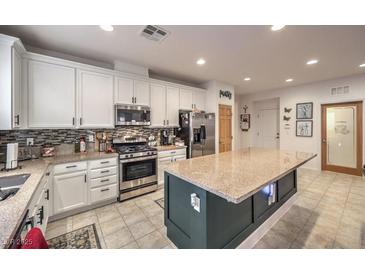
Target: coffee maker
column 164, row 137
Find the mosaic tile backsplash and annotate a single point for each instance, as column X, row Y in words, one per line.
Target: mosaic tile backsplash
column 69, row 136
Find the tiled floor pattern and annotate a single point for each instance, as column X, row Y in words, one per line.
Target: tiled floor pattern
column 329, row 213
column 136, row 223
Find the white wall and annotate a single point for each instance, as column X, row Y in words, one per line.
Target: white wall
column 213, row 100
column 318, row 93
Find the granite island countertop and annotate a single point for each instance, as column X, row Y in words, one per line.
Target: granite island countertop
column 13, row 209
column 236, row 175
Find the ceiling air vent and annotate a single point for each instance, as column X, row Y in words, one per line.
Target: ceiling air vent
column 340, row 90
column 154, row 33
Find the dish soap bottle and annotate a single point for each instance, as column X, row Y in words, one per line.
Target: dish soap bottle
column 82, row 145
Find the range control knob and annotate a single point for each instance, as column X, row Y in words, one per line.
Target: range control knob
column 126, row 156
column 130, row 155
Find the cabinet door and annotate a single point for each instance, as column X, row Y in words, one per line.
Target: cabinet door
column 199, row 99
column 172, row 106
column 179, row 158
column 123, row 91
column 16, row 79
column 69, row 191
column 141, row 93
column 158, row 105
column 162, row 165
column 95, row 91
column 186, row 99
column 51, row 95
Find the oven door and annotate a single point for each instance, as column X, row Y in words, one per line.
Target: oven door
column 132, row 115
column 137, row 172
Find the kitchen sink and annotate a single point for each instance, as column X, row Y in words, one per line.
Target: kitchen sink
column 10, row 185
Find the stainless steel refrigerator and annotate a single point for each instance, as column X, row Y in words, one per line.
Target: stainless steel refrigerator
column 198, row 132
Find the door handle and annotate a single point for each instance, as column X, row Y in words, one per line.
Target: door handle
column 324, row 141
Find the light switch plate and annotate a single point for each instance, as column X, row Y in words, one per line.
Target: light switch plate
column 195, row 201
column 91, row 138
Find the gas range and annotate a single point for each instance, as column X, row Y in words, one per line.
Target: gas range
column 135, row 150
column 137, row 167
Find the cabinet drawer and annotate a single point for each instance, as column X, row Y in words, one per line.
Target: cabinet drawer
column 102, row 172
column 103, row 193
column 102, row 163
column 169, row 153
column 70, row 167
column 103, row 181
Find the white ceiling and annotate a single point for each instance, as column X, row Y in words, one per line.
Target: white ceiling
column 231, row 52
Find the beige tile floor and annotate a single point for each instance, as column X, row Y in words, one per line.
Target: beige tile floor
column 328, row 213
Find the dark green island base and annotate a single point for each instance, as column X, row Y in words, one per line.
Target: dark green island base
column 219, row 224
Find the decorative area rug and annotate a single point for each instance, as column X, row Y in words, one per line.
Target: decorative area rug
column 160, row 202
column 82, row 238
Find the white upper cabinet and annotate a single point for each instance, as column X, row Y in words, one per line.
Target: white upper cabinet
column 199, row 99
column 123, row 91
column 51, row 95
column 95, row 99
column 129, row 91
column 186, row 99
column 16, row 82
column 158, row 105
column 172, row 106
column 141, row 93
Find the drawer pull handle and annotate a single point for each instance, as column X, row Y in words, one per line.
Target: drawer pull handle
column 71, row 166
column 104, row 171
column 105, row 162
column 105, row 189
column 105, row 180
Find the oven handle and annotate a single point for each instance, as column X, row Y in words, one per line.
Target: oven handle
column 137, row 159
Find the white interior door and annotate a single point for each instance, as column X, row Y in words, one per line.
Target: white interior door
column 268, row 128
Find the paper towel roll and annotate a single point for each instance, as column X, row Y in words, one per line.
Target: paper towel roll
column 11, row 156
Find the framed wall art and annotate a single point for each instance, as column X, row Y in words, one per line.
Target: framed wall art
column 304, row 128
column 305, row 111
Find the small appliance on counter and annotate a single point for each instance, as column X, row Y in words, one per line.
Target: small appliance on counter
column 164, row 137
column 48, row 151
column 11, row 156
column 152, row 141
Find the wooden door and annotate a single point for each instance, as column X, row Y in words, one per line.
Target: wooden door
column 342, row 137
column 95, row 100
column 225, row 128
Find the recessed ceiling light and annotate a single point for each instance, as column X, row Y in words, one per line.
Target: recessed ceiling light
column 247, row 79
column 289, row 80
column 312, row 62
column 200, row 62
column 277, row 27
column 362, row 66
column 107, row 27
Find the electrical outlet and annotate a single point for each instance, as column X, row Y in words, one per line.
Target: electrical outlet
column 30, row 141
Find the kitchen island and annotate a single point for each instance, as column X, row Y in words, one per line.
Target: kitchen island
column 217, row 201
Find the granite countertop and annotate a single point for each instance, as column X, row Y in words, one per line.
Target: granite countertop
column 236, row 175
column 169, row 147
column 13, row 209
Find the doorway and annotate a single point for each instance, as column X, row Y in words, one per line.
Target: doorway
column 342, row 137
column 266, row 123
column 225, row 128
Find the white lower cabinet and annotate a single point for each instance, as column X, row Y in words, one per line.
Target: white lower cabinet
column 39, row 206
column 165, row 158
column 103, row 180
column 69, row 191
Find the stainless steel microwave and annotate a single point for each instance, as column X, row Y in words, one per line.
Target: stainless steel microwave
column 126, row 115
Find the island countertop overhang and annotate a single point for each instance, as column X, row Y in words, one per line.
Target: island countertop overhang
column 236, row 175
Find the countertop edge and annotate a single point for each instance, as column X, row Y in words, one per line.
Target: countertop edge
column 243, row 197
